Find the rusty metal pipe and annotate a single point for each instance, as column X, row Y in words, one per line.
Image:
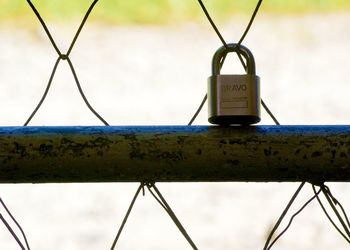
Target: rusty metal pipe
column 174, row 154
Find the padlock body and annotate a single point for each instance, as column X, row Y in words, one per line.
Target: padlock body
column 234, row 99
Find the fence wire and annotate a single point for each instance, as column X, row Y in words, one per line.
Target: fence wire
column 151, row 187
column 64, row 57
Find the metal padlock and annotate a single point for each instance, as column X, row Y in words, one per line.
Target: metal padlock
column 233, row 99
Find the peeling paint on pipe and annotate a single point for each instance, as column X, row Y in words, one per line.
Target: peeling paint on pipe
column 174, row 154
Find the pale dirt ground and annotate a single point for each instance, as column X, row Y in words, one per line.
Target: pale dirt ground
column 157, row 75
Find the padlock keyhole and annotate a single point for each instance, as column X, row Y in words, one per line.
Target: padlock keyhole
column 233, row 65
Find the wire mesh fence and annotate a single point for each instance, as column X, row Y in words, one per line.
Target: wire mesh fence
column 62, row 57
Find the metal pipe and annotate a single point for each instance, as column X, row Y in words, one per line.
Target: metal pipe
column 174, row 154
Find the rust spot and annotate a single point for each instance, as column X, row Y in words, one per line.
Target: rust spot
column 45, row 149
column 66, row 141
column 101, row 142
column 223, row 142
column 129, row 136
column 268, row 151
column 333, row 154
column 233, row 162
column 20, row 149
column 172, row 156
column 238, row 141
column 316, row 154
column 136, row 154
column 181, row 140
column 343, row 155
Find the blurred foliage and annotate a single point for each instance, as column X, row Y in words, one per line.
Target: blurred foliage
column 159, row 11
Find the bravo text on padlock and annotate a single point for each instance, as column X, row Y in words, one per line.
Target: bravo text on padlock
column 233, row 99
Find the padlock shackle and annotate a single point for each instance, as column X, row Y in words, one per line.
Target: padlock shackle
column 233, row 47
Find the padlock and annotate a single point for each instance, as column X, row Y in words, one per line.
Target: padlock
column 233, row 99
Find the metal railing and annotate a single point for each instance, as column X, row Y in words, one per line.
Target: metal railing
column 314, row 154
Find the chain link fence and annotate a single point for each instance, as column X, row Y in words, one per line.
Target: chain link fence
column 340, row 215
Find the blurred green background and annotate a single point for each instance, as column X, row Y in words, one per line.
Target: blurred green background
column 158, row 11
